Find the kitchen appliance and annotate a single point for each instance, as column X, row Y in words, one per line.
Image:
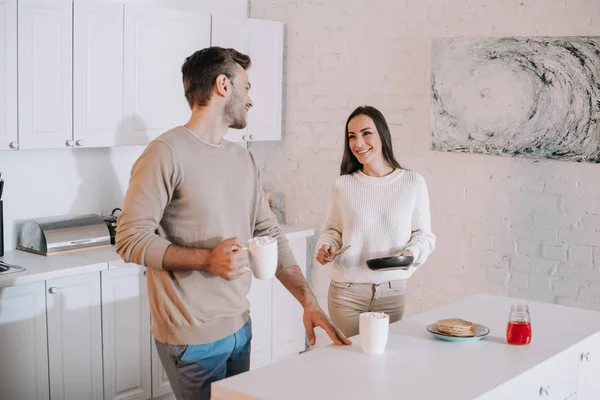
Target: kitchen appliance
column 64, row 234
column 111, row 222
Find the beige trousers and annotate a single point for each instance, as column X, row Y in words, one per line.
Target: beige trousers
column 347, row 300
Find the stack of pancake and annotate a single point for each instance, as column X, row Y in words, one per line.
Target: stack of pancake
column 456, row 327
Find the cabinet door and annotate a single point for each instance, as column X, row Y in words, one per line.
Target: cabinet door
column 24, row 346
column 266, row 77
column 8, row 75
column 588, row 382
column 555, row 379
column 160, row 381
column 260, row 298
column 45, row 73
column 126, row 334
column 157, row 42
column 232, row 33
column 98, row 74
column 75, row 337
column 289, row 334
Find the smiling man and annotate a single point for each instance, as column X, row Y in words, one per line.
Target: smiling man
column 194, row 199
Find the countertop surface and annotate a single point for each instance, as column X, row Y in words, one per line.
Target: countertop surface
column 416, row 365
column 41, row 268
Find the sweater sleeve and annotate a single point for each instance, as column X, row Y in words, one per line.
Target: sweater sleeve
column 266, row 225
column 331, row 232
column 422, row 239
column 151, row 188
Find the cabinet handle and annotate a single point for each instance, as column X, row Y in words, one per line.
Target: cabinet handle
column 544, row 391
column 69, row 143
column 251, row 137
column 585, row 356
column 13, row 145
column 79, row 143
column 144, row 273
column 53, row 290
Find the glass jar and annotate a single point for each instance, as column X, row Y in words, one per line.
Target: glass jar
column 518, row 331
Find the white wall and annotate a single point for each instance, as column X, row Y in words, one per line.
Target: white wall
column 58, row 182
column 507, row 226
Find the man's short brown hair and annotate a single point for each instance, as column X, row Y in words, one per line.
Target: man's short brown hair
column 202, row 68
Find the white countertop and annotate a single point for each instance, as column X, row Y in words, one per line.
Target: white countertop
column 41, row 268
column 416, row 365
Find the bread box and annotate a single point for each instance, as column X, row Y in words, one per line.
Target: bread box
column 64, row 234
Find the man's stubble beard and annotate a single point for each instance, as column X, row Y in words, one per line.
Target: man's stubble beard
column 235, row 111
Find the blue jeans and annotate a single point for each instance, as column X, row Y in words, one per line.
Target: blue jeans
column 192, row 368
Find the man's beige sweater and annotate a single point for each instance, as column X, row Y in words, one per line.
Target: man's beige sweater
column 190, row 193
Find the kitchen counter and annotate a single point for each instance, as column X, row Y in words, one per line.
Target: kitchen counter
column 418, row 366
column 41, row 268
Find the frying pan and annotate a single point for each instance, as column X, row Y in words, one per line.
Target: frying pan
column 390, row 263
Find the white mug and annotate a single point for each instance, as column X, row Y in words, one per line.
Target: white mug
column 373, row 329
column 263, row 252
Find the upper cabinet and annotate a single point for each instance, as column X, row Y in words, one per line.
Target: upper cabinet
column 8, row 74
column 266, row 76
column 263, row 42
column 89, row 73
column 45, row 73
column 157, row 42
column 98, row 117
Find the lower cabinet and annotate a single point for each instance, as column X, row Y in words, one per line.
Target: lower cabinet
column 88, row 336
column 75, row 337
column 572, row 375
column 288, row 332
column 277, row 328
column 51, row 340
column 160, row 381
column 588, row 377
column 125, row 334
column 24, row 343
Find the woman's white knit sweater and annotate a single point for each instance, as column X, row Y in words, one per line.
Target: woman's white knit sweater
column 378, row 217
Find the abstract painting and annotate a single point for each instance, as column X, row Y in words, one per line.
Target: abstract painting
column 534, row 97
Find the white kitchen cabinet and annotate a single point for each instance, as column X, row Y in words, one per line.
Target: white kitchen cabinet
column 289, row 334
column 126, row 334
column 157, row 42
column 23, row 343
column 8, row 75
column 232, row 33
column 263, row 41
column 160, row 380
column 266, row 76
column 97, row 74
column 45, row 73
column 277, row 328
column 557, row 380
column 588, row 378
column 75, row 337
column 261, row 300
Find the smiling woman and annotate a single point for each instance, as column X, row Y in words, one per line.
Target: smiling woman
column 379, row 209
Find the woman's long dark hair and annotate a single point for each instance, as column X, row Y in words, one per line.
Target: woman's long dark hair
column 349, row 163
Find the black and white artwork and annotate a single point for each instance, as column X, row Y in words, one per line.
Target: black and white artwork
column 535, row 97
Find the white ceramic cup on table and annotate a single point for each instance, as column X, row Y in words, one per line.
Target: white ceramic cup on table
column 262, row 252
column 374, row 328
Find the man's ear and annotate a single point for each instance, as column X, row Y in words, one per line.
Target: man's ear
column 222, row 85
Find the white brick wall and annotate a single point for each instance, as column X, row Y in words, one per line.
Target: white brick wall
column 509, row 226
